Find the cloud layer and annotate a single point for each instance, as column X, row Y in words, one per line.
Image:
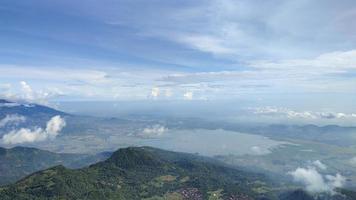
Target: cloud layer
column 289, row 113
column 316, row 182
column 153, row 131
column 12, row 119
column 217, row 49
column 26, row 135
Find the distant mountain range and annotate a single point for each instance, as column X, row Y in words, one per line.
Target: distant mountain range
column 26, row 109
column 21, row 115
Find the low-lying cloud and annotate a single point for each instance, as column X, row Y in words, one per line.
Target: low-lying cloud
column 26, row 135
column 316, row 182
column 285, row 112
column 320, row 165
column 188, row 95
column 154, row 131
column 27, row 94
column 12, row 120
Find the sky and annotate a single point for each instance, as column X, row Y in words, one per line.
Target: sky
column 281, row 56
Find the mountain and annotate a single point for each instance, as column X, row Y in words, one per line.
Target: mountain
column 15, row 115
column 141, row 173
column 18, row 162
column 3, row 101
column 26, row 109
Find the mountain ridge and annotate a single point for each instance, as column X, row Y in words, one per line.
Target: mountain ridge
column 27, row 109
column 155, row 176
column 19, row 161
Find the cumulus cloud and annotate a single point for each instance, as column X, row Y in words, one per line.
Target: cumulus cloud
column 155, row 92
column 26, row 135
column 153, row 131
column 311, row 178
column 41, row 96
column 315, row 182
column 289, row 113
column 319, row 165
column 188, row 96
column 27, row 91
column 55, row 125
column 336, row 181
column 12, row 119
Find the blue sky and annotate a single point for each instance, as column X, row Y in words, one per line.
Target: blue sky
column 273, row 53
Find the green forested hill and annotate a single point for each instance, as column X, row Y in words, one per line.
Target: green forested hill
column 141, row 173
column 153, row 174
column 18, row 162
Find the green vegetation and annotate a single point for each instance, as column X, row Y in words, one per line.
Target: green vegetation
column 19, row 162
column 153, row 174
column 139, row 173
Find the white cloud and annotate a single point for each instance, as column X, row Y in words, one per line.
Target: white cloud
column 285, row 112
column 248, row 28
column 336, row 181
column 55, row 125
column 312, row 179
column 28, row 93
column 188, row 95
column 245, row 30
column 25, row 135
column 333, row 62
column 155, row 92
column 153, row 131
column 315, row 182
column 205, row 43
column 12, row 119
column 320, row 165
column 41, row 97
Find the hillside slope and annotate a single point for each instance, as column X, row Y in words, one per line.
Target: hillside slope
column 141, row 173
column 18, row 162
